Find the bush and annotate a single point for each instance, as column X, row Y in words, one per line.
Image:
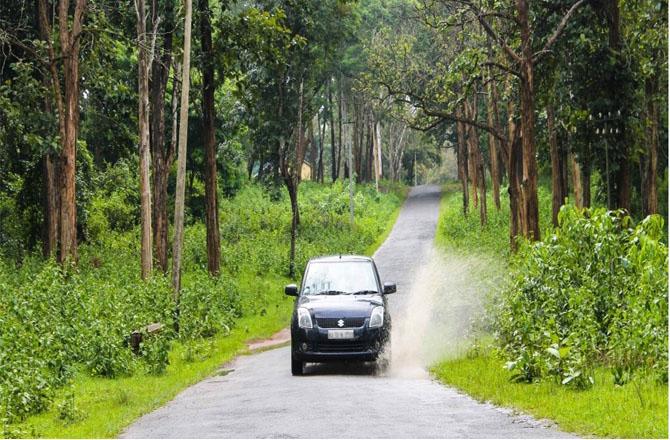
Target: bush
column 592, row 293
column 54, row 322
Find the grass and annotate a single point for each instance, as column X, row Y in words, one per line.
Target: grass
column 465, row 233
column 103, row 408
column 109, row 405
column 635, row 410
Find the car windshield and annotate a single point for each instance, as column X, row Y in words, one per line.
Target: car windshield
column 340, row 278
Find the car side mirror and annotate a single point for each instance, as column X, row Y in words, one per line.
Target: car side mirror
column 389, row 288
column 291, row 290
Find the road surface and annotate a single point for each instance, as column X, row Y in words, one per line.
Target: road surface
column 259, row 397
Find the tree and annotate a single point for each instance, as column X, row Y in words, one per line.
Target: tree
column 208, row 113
column 181, row 162
column 67, row 104
column 145, row 53
column 162, row 150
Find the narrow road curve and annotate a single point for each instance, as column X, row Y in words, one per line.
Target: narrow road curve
column 260, row 398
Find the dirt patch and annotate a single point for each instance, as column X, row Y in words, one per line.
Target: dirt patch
column 282, row 337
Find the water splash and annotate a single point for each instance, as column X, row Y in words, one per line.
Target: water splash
column 434, row 319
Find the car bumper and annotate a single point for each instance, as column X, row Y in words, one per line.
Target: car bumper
column 313, row 345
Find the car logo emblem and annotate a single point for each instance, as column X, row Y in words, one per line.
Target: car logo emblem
column 340, row 323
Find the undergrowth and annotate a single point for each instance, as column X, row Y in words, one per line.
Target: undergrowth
column 58, row 324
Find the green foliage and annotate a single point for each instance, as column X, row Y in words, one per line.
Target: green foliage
column 638, row 409
column 55, row 322
column 592, row 293
column 467, row 234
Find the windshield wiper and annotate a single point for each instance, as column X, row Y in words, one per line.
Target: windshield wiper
column 332, row 292
column 365, row 292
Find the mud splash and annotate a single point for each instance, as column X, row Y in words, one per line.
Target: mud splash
column 435, row 317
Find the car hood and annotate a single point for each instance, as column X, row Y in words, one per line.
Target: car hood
column 340, row 306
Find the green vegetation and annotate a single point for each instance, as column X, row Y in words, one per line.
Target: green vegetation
column 64, row 331
column 580, row 324
column 638, row 409
column 466, row 234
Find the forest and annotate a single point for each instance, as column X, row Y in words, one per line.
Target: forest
column 160, row 158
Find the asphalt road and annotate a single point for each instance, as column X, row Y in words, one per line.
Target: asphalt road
column 258, row 397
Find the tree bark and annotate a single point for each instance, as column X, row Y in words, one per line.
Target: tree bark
column 322, row 145
column 143, row 57
column 209, row 141
column 52, row 209
column 477, row 164
column 462, row 159
column 333, row 151
column 586, row 182
column 181, row 163
column 650, row 176
column 162, row 152
column 530, row 225
column 491, row 113
column 576, row 181
column 339, row 121
column 69, row 43
column 557, row 191
column 290, row 168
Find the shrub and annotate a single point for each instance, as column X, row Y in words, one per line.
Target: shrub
column 593, row 292
column 54, row 322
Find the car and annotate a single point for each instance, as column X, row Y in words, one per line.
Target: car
column 340, row 312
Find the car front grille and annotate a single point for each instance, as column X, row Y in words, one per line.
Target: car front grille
column 333, row 322
column 329, row 347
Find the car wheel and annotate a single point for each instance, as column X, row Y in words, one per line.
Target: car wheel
column 297, row 366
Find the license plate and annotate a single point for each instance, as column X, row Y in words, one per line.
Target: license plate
column 340, row 334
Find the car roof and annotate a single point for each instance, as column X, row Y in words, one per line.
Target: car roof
column 339, row 258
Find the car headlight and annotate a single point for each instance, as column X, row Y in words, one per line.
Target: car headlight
column 304, row 318
column 377, row 317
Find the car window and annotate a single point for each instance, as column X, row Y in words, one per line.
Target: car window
column 339, row 278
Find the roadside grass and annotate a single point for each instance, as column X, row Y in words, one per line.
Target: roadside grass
column 638, row 409
column 104, row 407
column 458, row 232
column 96, row 407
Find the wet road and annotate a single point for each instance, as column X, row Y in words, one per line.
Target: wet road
column 260, row 398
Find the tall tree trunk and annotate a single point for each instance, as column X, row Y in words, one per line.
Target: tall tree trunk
column 291, row 173
column 493, row 121
column 162, row 152
column 576, row 181
column 322, row 145
column 531, row 223
column 473, row 149
column 586, row 180
column 377, row 153
column 209, row 141
column 477, row 164
column 144, row 59
column 557, row 192
column 339, row 121
column 650, row 175
column 51, row 178
column 491, row 114
column 333, row 151
column 514, row 171
column 69, row 43
column 181, row 163
column 462, row 159
column 51, row 199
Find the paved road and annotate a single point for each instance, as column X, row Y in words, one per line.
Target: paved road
column 260, row 398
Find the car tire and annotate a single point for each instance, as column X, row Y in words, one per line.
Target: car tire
column 297, row 366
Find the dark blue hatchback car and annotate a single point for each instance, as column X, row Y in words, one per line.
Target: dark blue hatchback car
column 340, row 312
